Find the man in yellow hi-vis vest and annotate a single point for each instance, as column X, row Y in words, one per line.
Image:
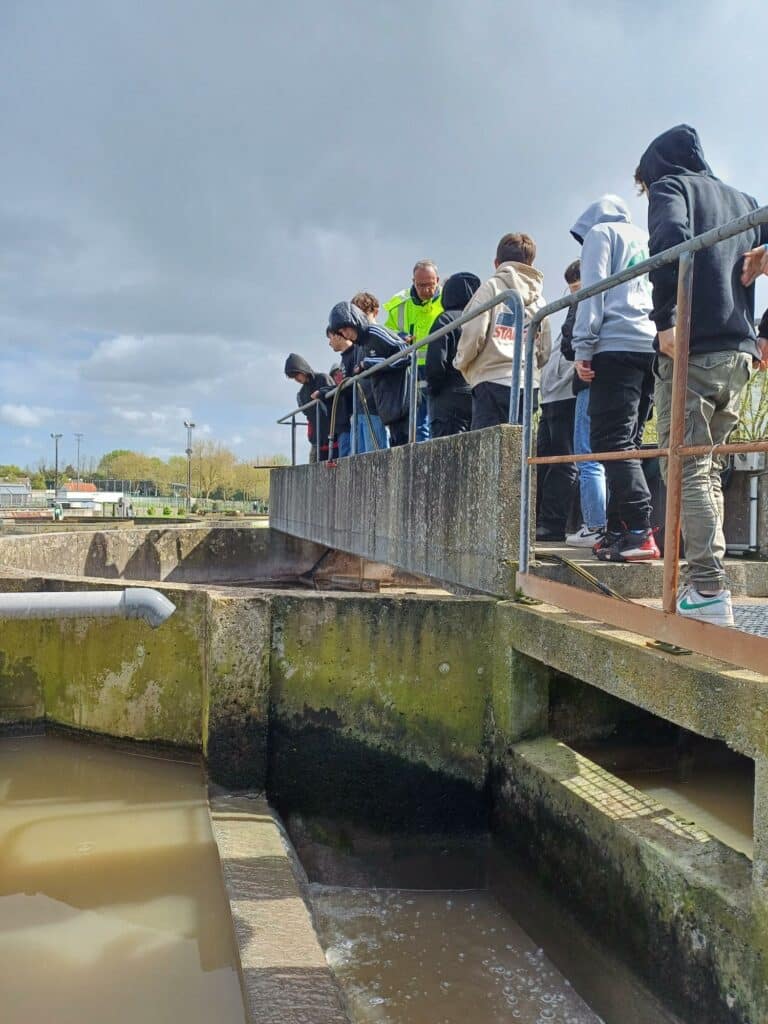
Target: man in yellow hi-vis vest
column 411, row 314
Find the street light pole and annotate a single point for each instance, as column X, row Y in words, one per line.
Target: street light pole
column 78, row 438
column 56, row 466
column 190, row 427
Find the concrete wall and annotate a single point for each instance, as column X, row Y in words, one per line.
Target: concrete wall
column 448, row 509
column 178, row 554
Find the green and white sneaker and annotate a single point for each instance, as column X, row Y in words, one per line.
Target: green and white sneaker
column 713, row 608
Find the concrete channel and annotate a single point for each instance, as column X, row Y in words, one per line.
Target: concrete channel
column 397, row 706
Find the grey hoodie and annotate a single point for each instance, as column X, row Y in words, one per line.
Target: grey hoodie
column 616, row 320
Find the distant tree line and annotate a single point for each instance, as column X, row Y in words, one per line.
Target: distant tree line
column 217, row 473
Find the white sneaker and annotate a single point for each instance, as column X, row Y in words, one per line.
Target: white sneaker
column 716, row 609
column 584, row 538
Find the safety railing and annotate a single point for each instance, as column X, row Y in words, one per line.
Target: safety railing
column 666, row 626
column 509, row 298
column 663, row 625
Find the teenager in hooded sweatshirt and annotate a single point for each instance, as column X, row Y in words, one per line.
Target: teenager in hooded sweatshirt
column 374, row 344
column 450, row 398
column 298, row 369
column 487, row 343
column 684, row 200
column 613, row 345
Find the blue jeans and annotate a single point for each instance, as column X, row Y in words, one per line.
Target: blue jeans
column 365, row 442
column 591, row 474
column 345, row 444
column 422, row 412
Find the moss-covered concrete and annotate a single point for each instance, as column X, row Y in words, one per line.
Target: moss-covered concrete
column 114, row 676
column 237, row 704
column 672, row 898
column 379, row 694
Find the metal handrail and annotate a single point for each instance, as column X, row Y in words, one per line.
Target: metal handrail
column 687, row 249
column 508, row 297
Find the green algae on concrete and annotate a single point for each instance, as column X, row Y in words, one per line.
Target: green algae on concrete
column 671, row 897
column 406, row 674
column 21, row 692
column 237, row 698
column 117, row 676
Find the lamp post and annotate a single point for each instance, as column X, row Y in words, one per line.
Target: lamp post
column 190, row 427
column 78, row 438
column 56, row 466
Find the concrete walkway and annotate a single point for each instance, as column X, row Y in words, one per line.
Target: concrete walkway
column 285, row 977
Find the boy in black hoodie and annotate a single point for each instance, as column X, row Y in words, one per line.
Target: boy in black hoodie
column 686, row 199
column 376, row 343
column 450, row 397
column 298, row 369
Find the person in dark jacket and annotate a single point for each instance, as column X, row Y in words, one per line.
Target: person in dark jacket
column 298, row 369
column 376, row 343
column 685, row 199
column 450, row 397
column 341, row 423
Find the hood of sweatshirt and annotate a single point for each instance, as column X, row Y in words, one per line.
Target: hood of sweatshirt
column 344, row 314
column 295, row 364
column 527, row 280
column 677, row 151
column 459, row 289
column 607, row 209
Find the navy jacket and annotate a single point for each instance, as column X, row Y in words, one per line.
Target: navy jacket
column 686, row 199
column 317, row 382
column 375, row 343
column 438, row 369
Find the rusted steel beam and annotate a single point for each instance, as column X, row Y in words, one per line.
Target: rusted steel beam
column 725, row 644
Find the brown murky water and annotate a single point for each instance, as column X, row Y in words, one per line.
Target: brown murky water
column 701, row 781
column 439, row 958
column 410, row 944
column 112, row 907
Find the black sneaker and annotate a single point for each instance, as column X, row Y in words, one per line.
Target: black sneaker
column 631, row 547
column 606, row 539
column 544, row 534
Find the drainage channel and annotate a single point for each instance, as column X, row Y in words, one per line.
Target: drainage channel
column 438, row 931
column 112, row 906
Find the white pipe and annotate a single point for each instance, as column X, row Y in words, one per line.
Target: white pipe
column 135, row 603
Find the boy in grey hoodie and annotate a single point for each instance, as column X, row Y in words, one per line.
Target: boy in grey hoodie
column 613, row 345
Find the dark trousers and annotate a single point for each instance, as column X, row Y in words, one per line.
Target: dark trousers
column 490, row 404
column 398, row 432
column 450, row 412
column 556, row 484
column 620, row 399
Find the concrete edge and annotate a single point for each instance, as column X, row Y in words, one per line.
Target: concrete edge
column 284, row 976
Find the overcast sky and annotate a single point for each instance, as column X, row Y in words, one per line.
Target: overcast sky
column 187, row 187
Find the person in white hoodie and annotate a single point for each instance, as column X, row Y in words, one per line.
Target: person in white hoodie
column 486, row 348
column 613, row 346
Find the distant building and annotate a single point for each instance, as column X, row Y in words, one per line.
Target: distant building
column 15, row 493
column 86, row 500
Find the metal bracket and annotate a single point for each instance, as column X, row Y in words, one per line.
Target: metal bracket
column 662, row 645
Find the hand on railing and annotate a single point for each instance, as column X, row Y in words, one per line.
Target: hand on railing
column 755, row 264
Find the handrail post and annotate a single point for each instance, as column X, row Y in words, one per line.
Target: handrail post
column 677, row 434
column 353, row 438
column 525, row 469
column 413, row 396
column 517, row 359
column 317, row 432
column 293, row 440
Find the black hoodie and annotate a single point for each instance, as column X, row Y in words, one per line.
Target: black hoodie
column 686, row 199
column 374, row 343
column 439, row 370
column 317, row 382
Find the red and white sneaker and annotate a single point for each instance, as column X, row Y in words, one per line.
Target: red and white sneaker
column 631, row 546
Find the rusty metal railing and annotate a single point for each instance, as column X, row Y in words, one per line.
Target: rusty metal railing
column 729, row 645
